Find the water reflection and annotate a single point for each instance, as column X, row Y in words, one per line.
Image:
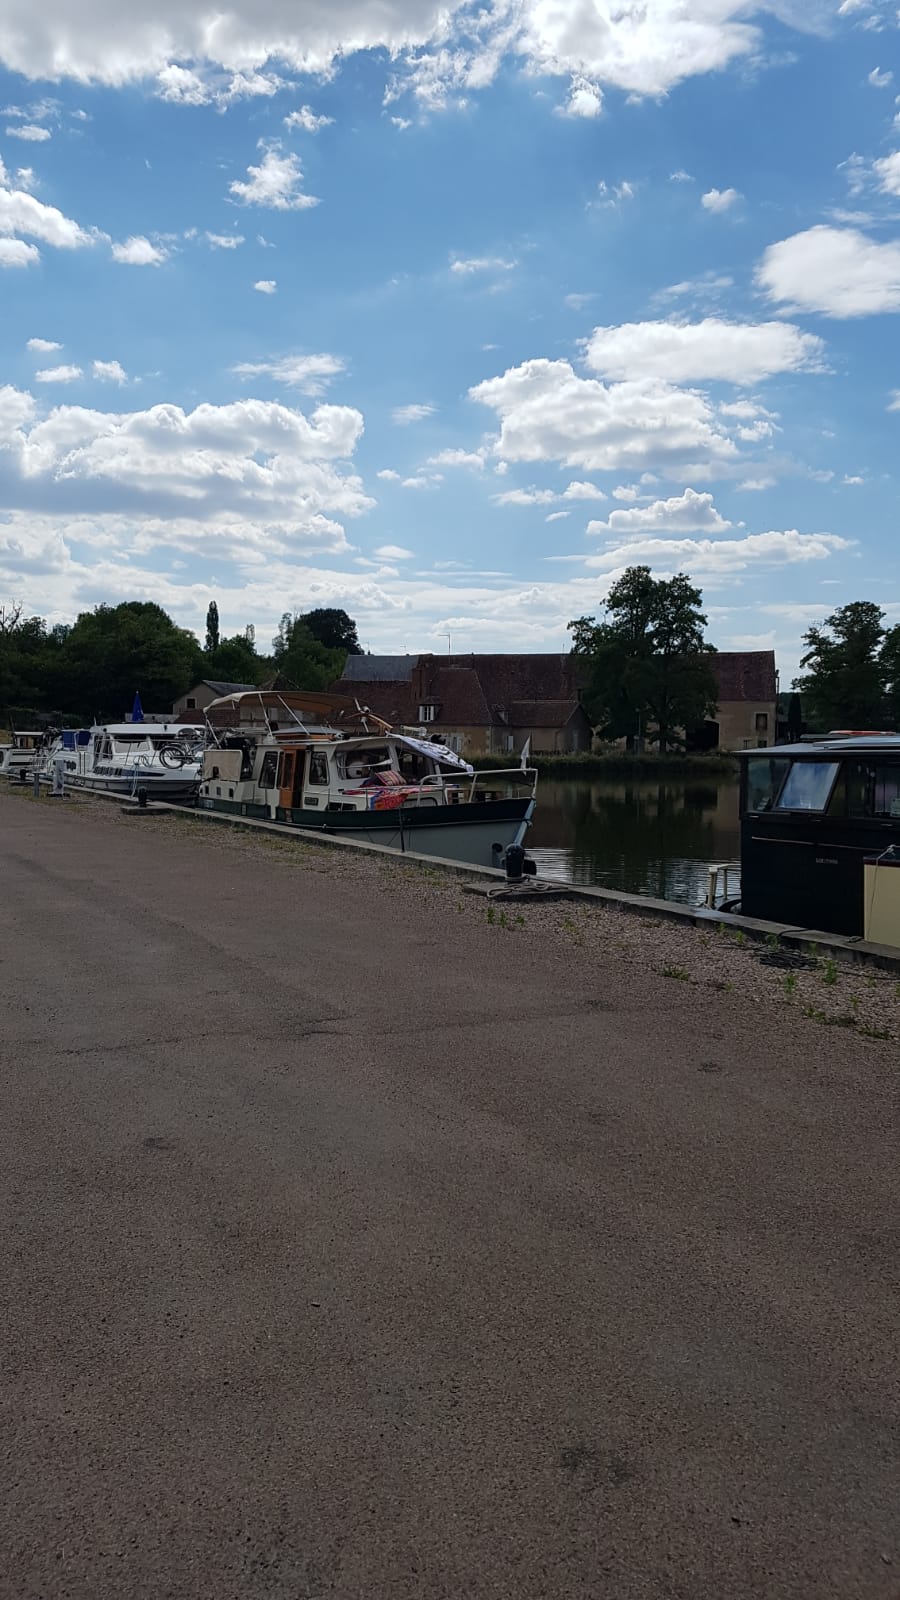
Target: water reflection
column 644, row 836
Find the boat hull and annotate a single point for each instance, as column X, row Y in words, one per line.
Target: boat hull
column 475, row 834
column 158, row 786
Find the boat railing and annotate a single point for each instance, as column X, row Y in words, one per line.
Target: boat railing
column 518, row 777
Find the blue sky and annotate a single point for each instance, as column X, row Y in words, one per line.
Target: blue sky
column 447, row 314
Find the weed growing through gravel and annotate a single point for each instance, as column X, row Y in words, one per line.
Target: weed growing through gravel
column 676, row 972
column 829, row 971
column 789, row 984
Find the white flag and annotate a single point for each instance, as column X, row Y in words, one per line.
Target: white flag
column 526, row 752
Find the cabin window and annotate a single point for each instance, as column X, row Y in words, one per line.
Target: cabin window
column 808, row 785
column 764, row 779
column 357, row 764
column 873, row 789
column 318, row 768
column 267, row 770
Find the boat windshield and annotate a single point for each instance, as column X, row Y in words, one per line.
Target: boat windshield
column 808, row 786
column 765, row 775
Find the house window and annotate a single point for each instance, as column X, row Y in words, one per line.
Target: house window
column 762, row 722
column 190, row 705
column 454, row 743
column 509, row 742
column 428, row 712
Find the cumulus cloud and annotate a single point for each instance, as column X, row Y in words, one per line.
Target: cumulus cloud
column 224, row 241
column 837, row 271
column 680, row 352
column 719, row 199
column 585, row 99
column 306, row 119
column 394, row 552
column 524, row 497
column 58, row 374
column 275, row 183
column 388, row 475
column 404, row 415
column 20, row 212
column 44, row 346
column 266, row 286
column 16, row 253
column 458, row 458
column 250, row 479
column 689, row 512
column 709, row 557
column 879, row 79
column 31, row 132
column 548, row 413
column 310, row 374
column 582, row 491
column 109, row 371
column 139, row 252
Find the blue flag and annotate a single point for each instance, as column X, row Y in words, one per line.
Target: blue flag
column 137, row 710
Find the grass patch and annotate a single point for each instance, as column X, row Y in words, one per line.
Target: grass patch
column 676, row 972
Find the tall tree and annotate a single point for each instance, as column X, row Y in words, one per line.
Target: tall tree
column 114, row 650
column 235, row 660
column 212, row 627
column 645, row 669
column 846, row 683
column 333, row 628
column 301, row 660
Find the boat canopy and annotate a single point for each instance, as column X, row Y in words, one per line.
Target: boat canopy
column 437, row 752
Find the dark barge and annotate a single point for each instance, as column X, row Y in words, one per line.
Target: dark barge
column 812, row 815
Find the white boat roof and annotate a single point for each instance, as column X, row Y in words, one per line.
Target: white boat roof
column 855, row 744
column 168, row 729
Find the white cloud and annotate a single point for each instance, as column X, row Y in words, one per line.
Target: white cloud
column 388, row 475
column 109, row 371
column 888, row 173
column 839, row 272
column 404, row 415
column 306, row 119
column 557, row 516
column 457, row 458
column 31, row 132
column 853, row 479
column 756, row 485
column 709, row 557
column 394, row 552
column 714, row 349
column 879, row 79
column 275, row 183
column 467, row 267
column 182, row 87
column 440, row 48
column 585, row 99
column 719, row 199
column 583, row 491
column 524, row 497
column 422, row 480
column 45, row 346
column 16, row 253
column 266, row 286
column 224, row 241
column 310, row 374
column 894, row 403
column 689, row 512
column 548, row 413
column 22, row 213
column 577, row 302
column 681, row 176
column 139, row 252
column 58, row 374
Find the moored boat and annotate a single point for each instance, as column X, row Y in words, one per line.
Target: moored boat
column 162, row 758
column 18, row 758
column 813, row 817
column 355, row 777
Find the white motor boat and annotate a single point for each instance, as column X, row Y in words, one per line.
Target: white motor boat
column 164, row 759
column 17, row 760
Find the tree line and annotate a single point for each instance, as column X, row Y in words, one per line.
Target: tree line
column 91, row 668
column 646, row 668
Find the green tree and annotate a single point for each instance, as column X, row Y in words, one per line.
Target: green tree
column 235, row 661
column 645, row 668
column 114, row 650
column 301, row 660
column 333, row 628
column 212, row 628
column 28, row 653
column 852, row 668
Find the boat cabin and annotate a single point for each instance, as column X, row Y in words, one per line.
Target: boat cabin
column 812, row 814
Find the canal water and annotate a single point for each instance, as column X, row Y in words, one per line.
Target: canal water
column 640, row 835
